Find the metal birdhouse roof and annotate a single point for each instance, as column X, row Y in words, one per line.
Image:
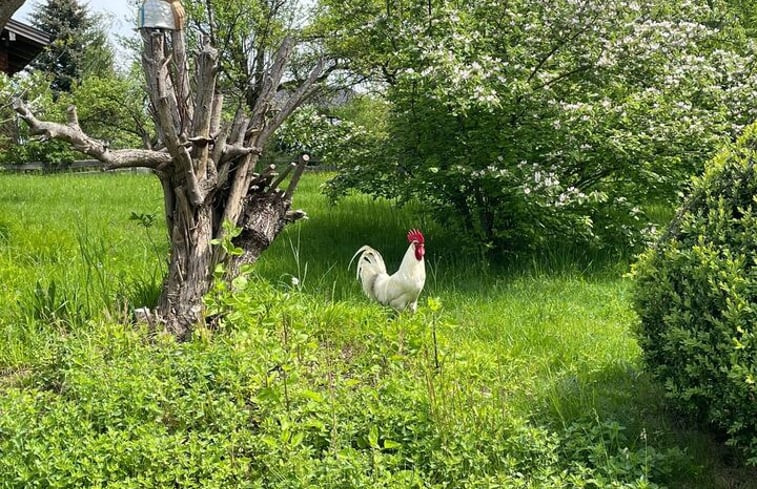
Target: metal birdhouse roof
column 156, row 14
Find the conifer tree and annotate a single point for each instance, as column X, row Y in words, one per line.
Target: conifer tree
column 79, row 43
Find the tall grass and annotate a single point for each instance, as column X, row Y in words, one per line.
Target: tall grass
column 529, row 368
column 70, row 251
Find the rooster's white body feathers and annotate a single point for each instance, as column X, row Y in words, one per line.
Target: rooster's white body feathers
column 399, row 290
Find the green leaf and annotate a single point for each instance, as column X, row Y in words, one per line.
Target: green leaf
column 373, row 437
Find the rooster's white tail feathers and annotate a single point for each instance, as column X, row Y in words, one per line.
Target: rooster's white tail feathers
column 370, row 265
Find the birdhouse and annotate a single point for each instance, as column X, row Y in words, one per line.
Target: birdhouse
column 156, row 14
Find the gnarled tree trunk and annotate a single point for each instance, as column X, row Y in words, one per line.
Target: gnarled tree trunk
column 209, row 173
column 189, row 271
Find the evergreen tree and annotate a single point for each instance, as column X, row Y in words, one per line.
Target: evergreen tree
column 79, row 45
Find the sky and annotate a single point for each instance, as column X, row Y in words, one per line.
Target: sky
column 121, row 15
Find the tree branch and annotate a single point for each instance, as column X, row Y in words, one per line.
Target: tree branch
column 271, row 82
column 295, row 99
column 241, row 182
column 296, row 177
column 234, row 137
column 203, row 120
column 562, row 42
column 282, row 176
column 218, row 136
column 163, row 97
column 292, row 216
column 205, row 81
column 72, row 133
column 234, row 151
column 181, row 79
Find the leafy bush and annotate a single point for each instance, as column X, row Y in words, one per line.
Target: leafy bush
column 696, row 295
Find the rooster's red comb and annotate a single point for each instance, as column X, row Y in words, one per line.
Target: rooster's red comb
column 415, row 235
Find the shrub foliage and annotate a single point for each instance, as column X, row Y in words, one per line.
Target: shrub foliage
column 696, row 295
column 288, row 391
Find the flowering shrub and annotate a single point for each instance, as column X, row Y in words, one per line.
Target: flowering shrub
column 330, row 139
column 525, row 121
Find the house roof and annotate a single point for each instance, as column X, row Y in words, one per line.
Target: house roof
column 22, row 43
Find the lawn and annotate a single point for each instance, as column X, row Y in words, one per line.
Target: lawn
column 522, row 375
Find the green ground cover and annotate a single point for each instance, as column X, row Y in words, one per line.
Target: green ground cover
column 526, row 374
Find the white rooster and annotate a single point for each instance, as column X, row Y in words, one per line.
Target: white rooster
column 401, row 289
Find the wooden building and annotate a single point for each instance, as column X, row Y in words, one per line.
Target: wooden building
column 19, row 44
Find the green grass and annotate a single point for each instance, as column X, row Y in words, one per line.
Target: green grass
column 75, row 232
column 538, row 382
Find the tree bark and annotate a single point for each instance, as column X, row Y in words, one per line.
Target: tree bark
column 189, row 271
column 264, row 216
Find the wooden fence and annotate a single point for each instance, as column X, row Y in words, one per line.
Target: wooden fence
column 81, row 166
column 95, row 166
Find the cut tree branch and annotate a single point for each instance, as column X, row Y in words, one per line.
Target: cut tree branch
column 283, row 175
column 181, row 79
column 301, row 164
column 295, row 215
column 205, row 80
column 232, row 152
column 72, row 133
column 164, row 101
